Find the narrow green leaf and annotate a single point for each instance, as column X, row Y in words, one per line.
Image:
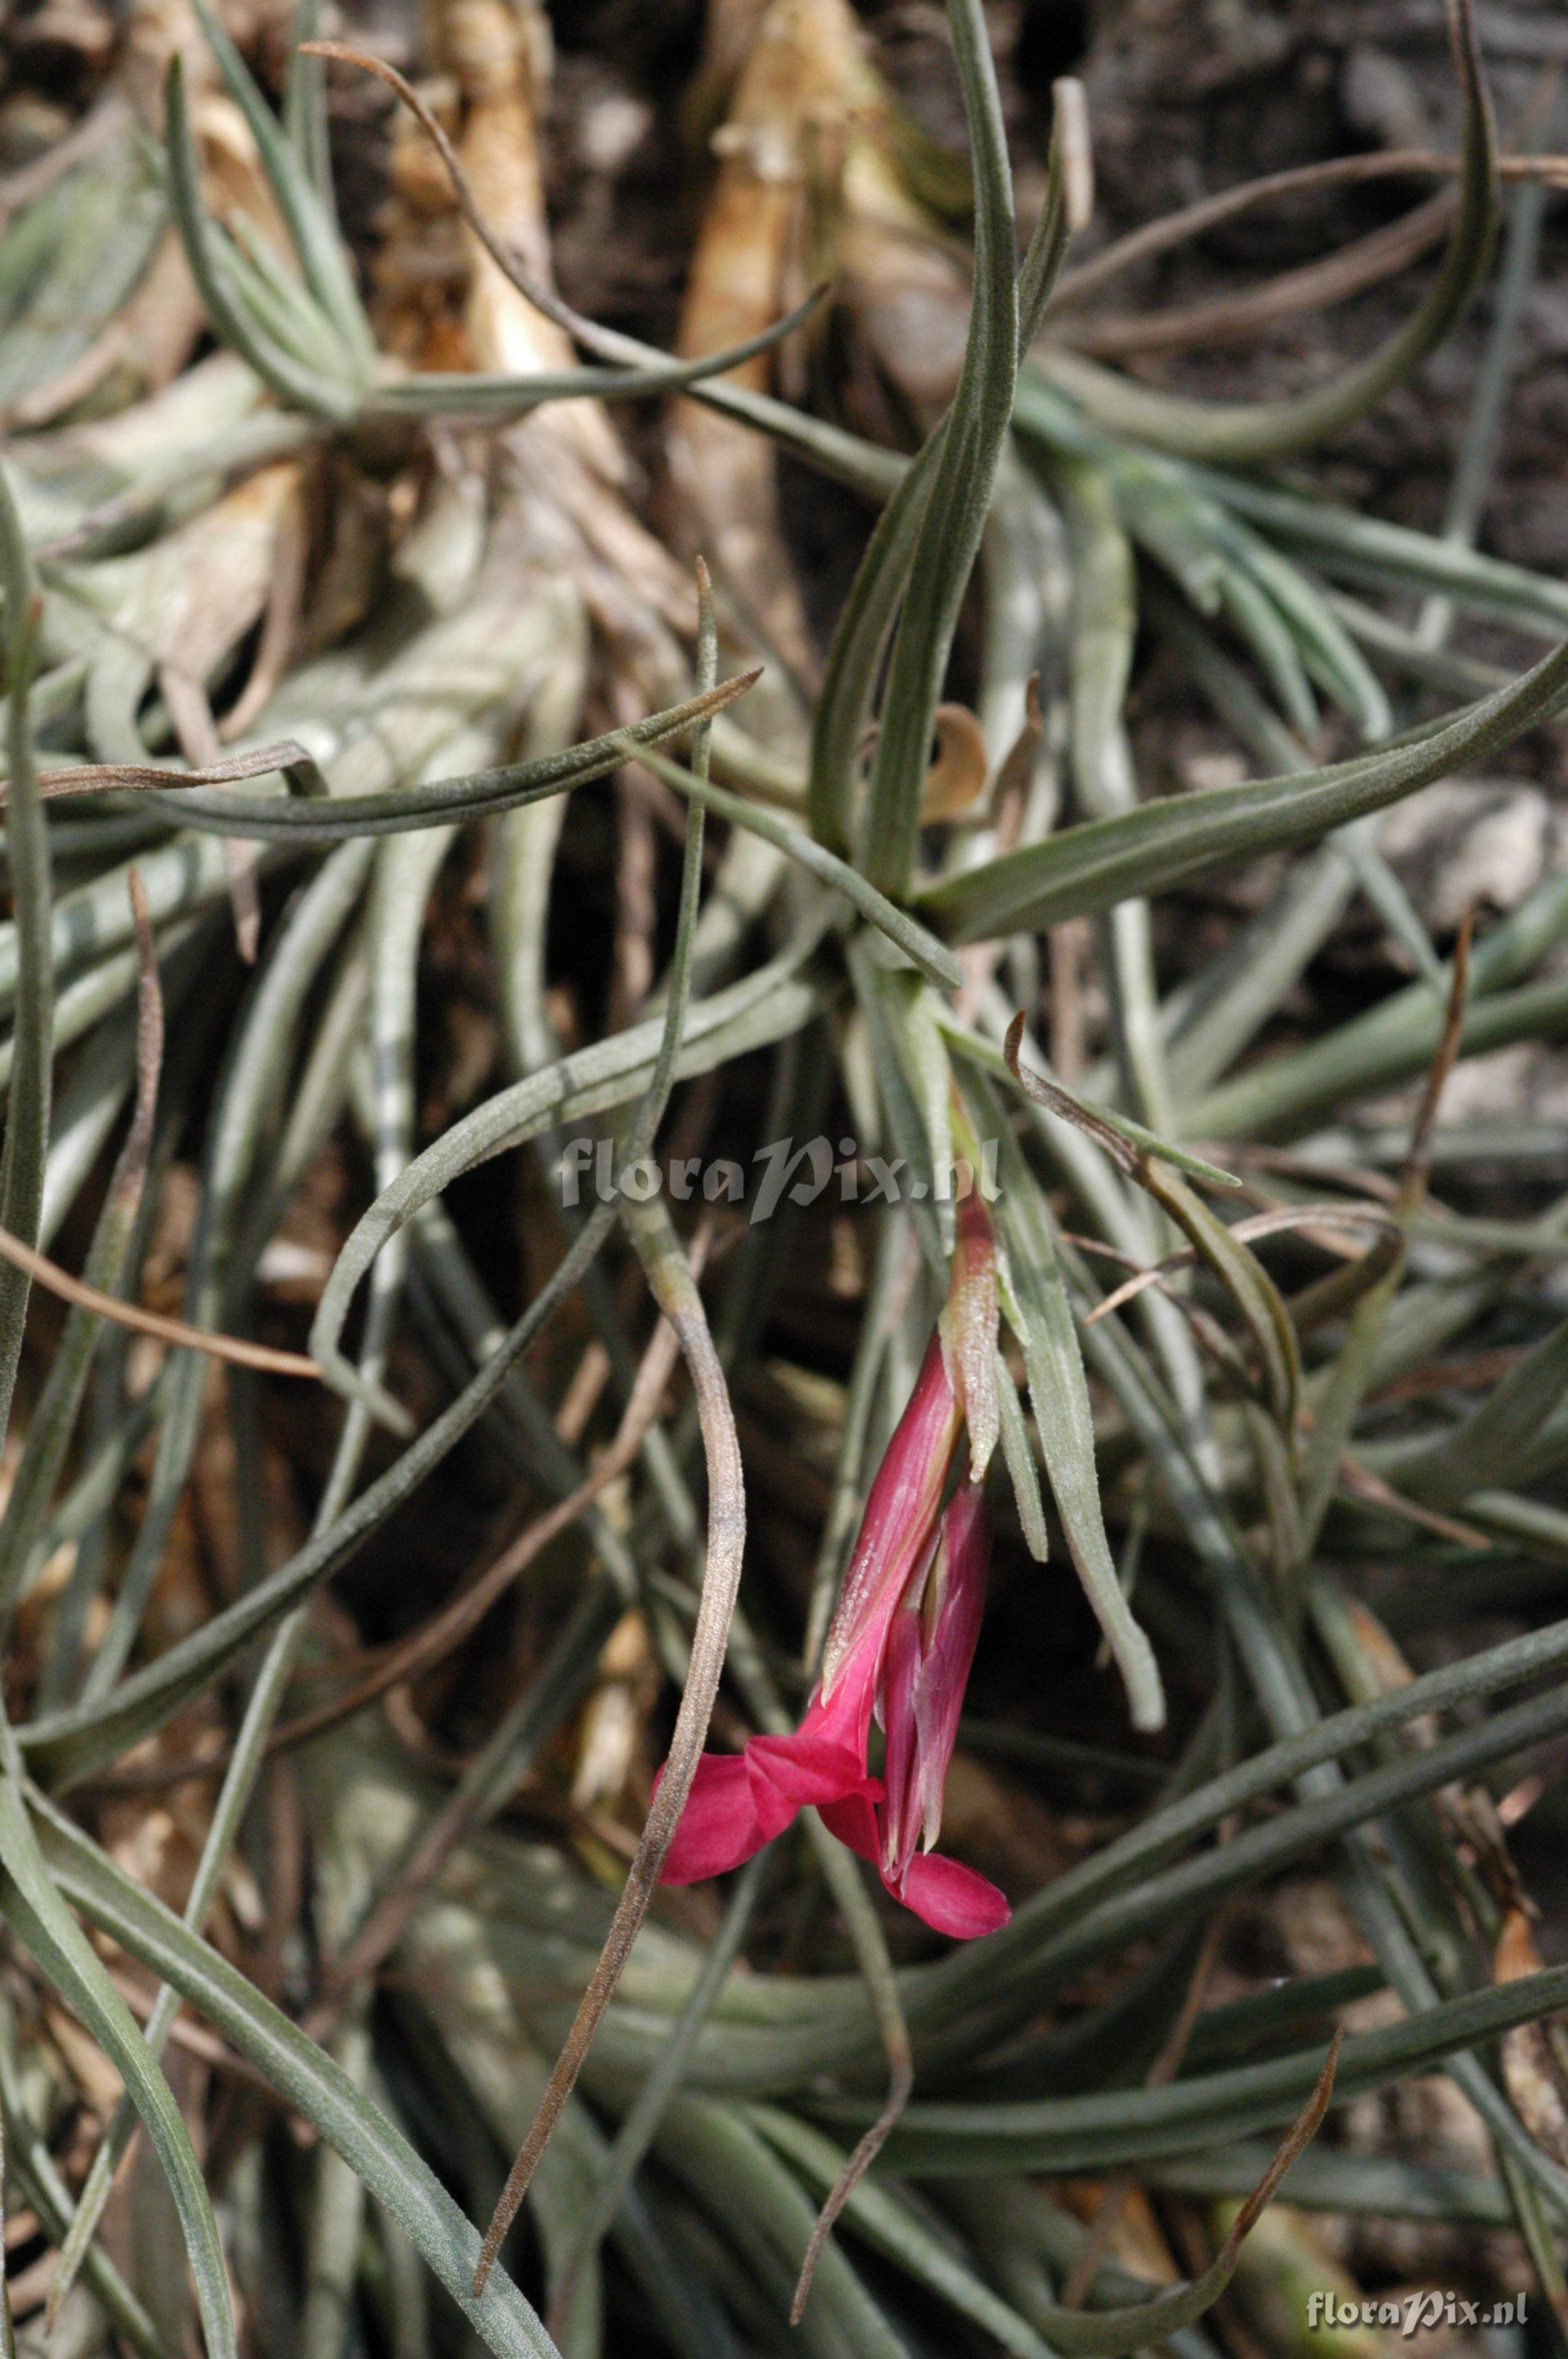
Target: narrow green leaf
column 1061, row 2136
column 439, row 393
column 1069, row 202
column 1112, row 2332
column 922, row 1053
column 27, row 857
column 31, row 1903
column 741, row 2180
column 303, row 2075
column 1254, row 432
column 1116, row 1132
column 766, row 1004
column 894, row 2229
column 1394, row 554
column 32, row 2168
column 844, row 704
column 307, row 389
column 1259, row 623
column 1339, row 2180
column 1055, row 1929
column 323, row 257
column 1034, row 1302
column 1394, row 1042
column 953, row 514
column 437, row 802
column 304, row 121
column 1247, row 1283
column 1161, row 844
column 1270, row 743
column 1019, row 1460
column 1328, row 649
column 934, row 959
column 1483, row 1450
column 640, row 2129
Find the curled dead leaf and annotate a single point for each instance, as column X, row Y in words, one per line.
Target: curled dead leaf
column 957, row 778
column 1535, row 2072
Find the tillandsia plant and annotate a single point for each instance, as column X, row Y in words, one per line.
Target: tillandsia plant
column 424, row 796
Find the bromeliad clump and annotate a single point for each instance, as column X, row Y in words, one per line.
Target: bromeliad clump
column 900, row 1648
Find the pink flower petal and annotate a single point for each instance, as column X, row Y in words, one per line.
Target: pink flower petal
column 938, row 1696
column 845, row 1716
column 730, row 1813
column 807, row 1768
column 854, row 1822
column 968, row 1328
column 901, row 1677
column 900, row 1519
column 952, row 1899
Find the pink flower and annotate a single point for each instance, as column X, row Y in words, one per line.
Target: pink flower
column 901, row 1646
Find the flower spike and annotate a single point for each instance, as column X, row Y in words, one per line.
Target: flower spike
column 900, row 1648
